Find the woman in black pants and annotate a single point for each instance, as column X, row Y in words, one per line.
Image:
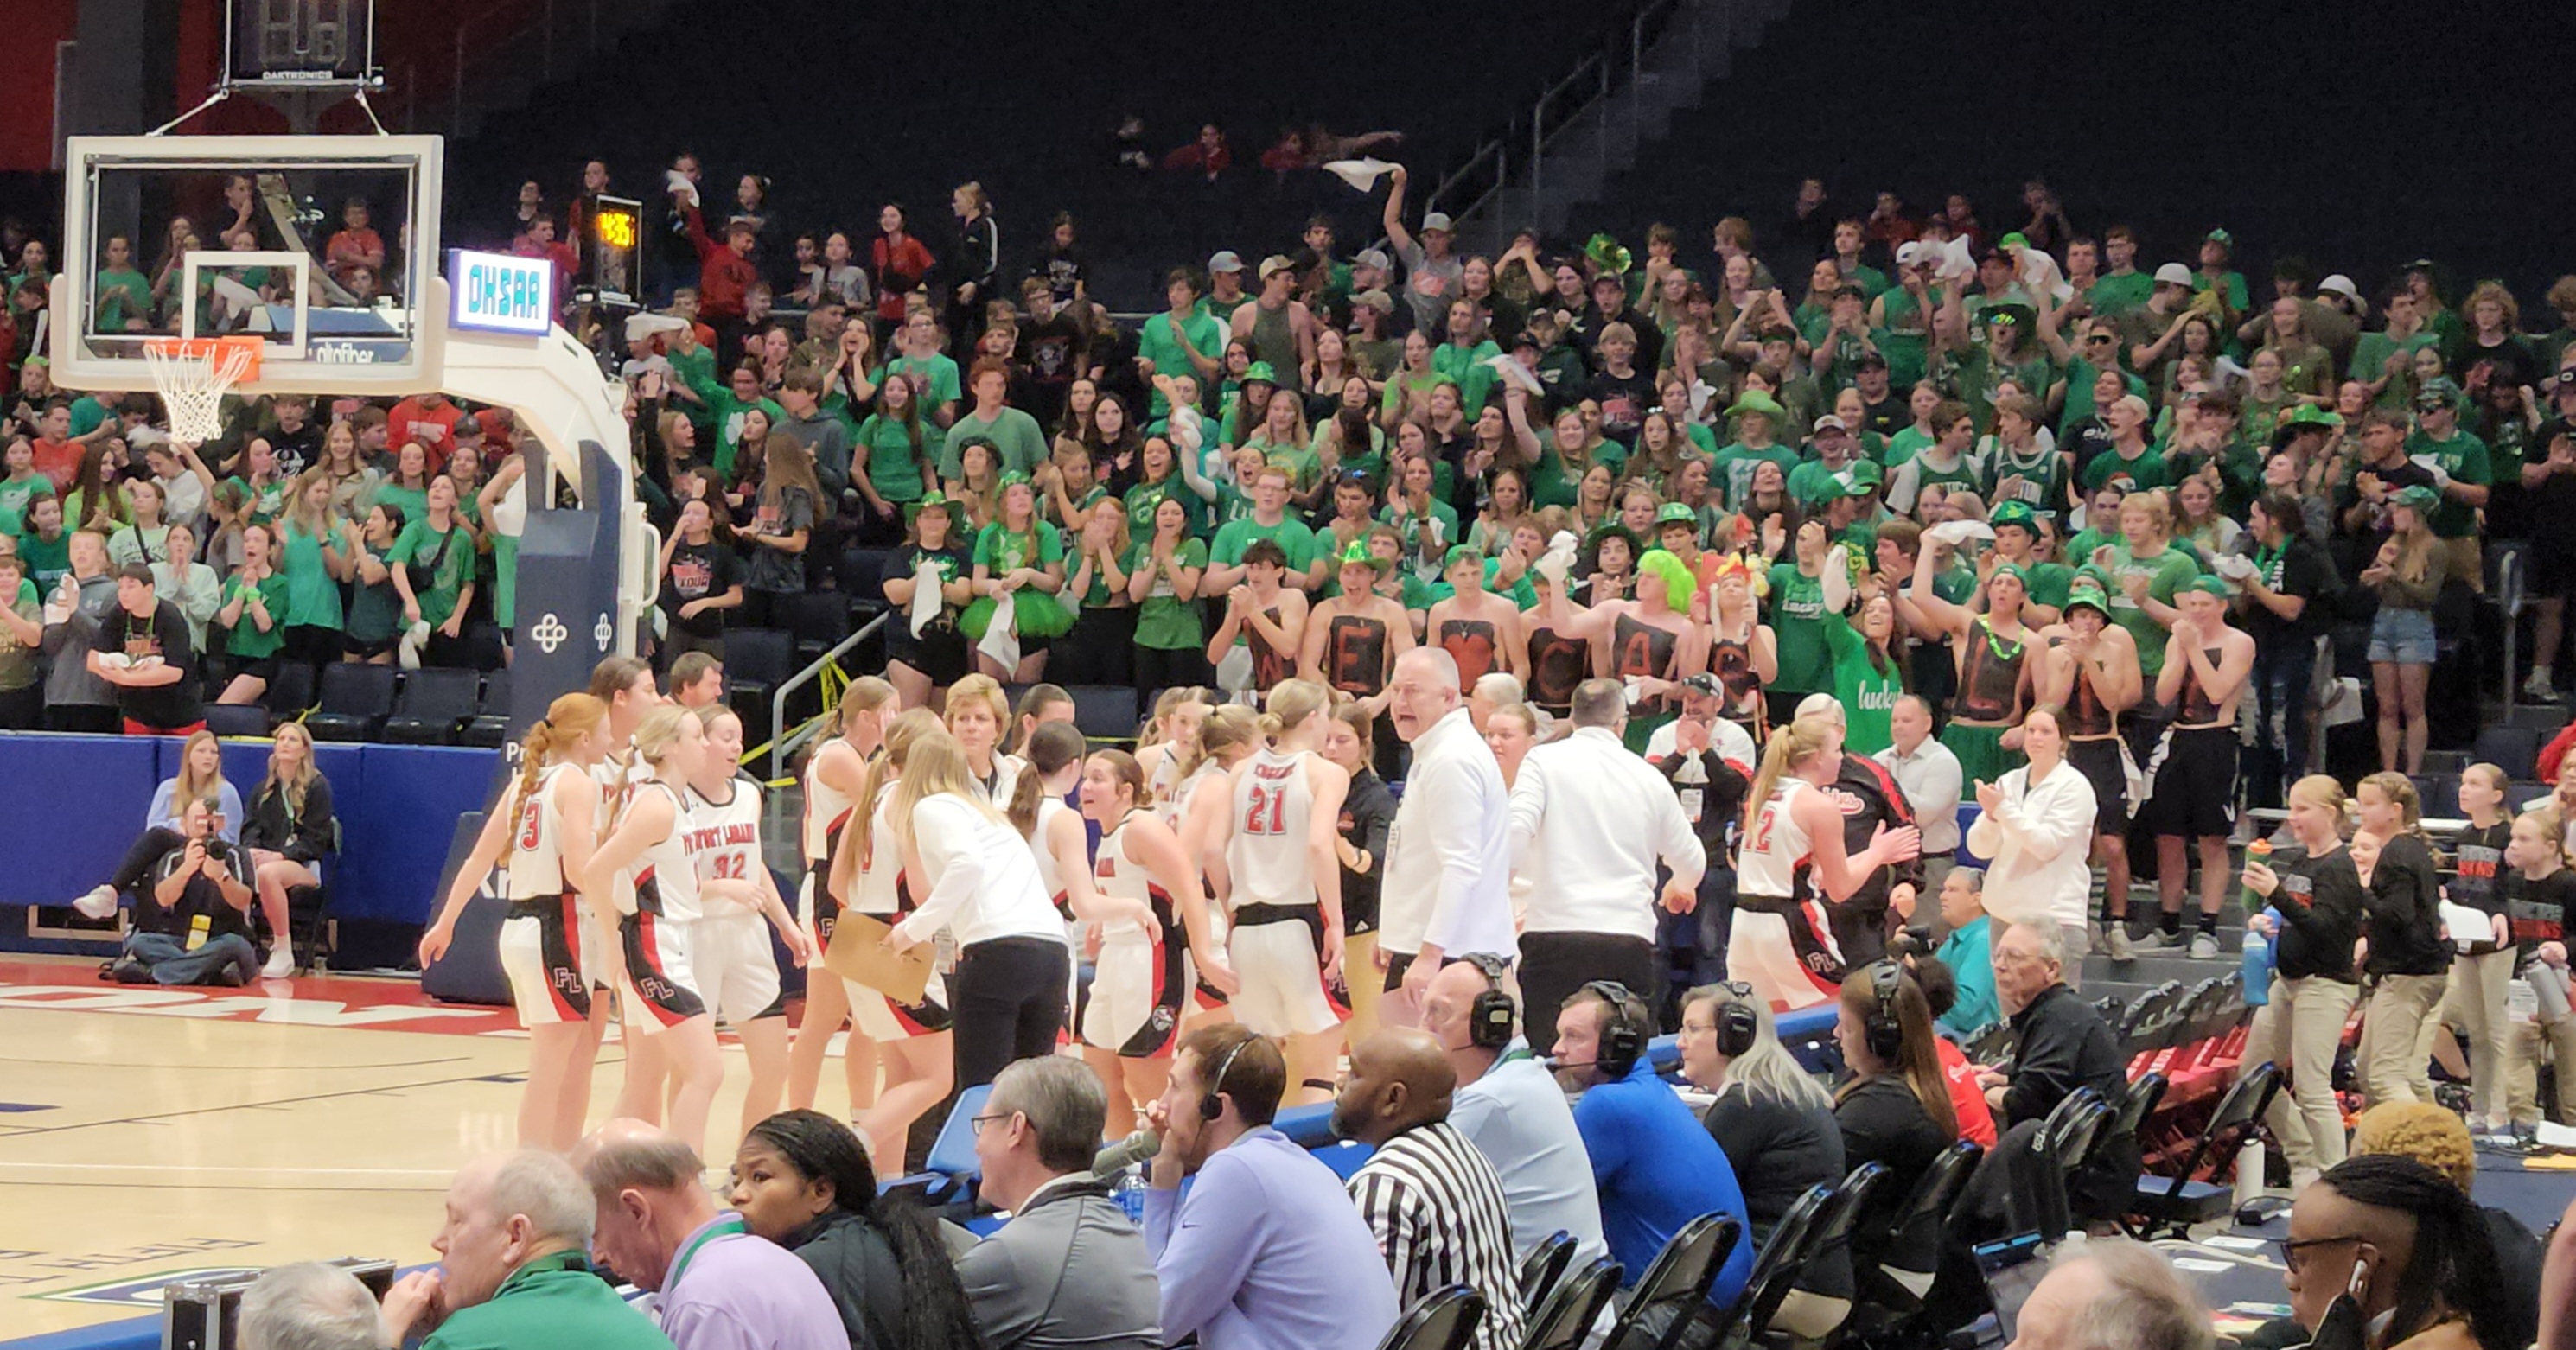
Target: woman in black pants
column 979, row 880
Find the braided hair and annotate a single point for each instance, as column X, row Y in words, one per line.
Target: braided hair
column 2451, row 1270
column 819, row 1148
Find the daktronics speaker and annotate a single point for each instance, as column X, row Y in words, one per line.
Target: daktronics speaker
column 206, row 1314
column 301, row 44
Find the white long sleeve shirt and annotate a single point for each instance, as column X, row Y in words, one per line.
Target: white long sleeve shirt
column 1448, row 873
column 2040, row 839
column 981, row 882
column 1932, row 780
column 1589, row 822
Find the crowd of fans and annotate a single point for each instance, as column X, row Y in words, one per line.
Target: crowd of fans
column 1689, row 617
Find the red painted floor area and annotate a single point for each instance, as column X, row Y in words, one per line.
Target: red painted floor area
column 72, row 984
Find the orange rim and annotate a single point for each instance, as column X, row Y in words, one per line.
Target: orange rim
column 212, row 348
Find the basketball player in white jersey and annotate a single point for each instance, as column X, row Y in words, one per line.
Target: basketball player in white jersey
column 1791, row 864
column 729, row 944
column 543, row 829
column 1227, row 736
column 834, row 776
column 1171, row 736
column 625, row 685
column 915, row 1047
column 1140, row 984
column 657, row 988
column 1282, row 878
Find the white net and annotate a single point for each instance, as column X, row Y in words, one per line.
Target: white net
column 193, row 380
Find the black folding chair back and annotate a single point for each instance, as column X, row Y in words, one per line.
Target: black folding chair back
column 1659, row 1310
column 2180, row 1200
column 1543, row 1267
column 1911, row 1255
column 355, row 701
column 433, row 704
column 1445, row 1319
column 2064, row 1137
column 2132, row 1112
column 1567, row 1316
column 1830, row 1231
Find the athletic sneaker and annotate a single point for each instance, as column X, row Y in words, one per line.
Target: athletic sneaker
column 2115, row 941
column 2160, row 941
column 2204, row 946
column 2538, row 685
column 281, row 963
column 97, row 904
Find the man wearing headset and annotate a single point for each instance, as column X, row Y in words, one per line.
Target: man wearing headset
column 1266, row 1252
column 1656, row 1168
column 1511, row 1109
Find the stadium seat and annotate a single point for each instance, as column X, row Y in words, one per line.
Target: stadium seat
column 236, row 719
column 355, row 701
column 290, row 695
column 490, row 724
column 950, row 1172
column 2169, row 1206
column 2508, row 747
column 1445, row 1319
column 431, row 706
column 1543, row 1267
column 2065, row 1135
column 1659, row 1311
column 1106, row 712
column 1567, row 1317
column 756, row 662
column 818, row 619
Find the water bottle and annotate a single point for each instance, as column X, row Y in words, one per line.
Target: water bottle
column 1130, row 1194
column 2255, row 969
column 2249, row 1173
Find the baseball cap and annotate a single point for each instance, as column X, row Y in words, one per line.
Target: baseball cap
column 1380, row 301
column 1274, row 263
column 2438, row 392
column 1677, row 513
column 1870, row 361
column 2173, row 274
column 1225, row 260
column 2418, row 498
column 1829, row 422
column 1372, row 257
column 1437, row 220
column 2209, row 584
column 2341, row 285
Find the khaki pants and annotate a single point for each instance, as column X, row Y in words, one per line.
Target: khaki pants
column 2392, row 1028
column 1366, row 982
column 2473, row 999
column 2299, row 1030
column 2522, row 1048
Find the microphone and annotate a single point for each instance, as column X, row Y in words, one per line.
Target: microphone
column 1135, row 1148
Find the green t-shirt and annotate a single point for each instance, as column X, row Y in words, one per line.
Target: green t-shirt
column 2146, row 471
column 2080, row 374
column 449, row 558
column 1143, row 499
column 123, row 294
column 2166, row 573
column 16, row 497
column 1798, row 622
column 47, row 560
column 2049, row 583
column 1165, row 622
column 1291, row 534
column 2464, row 458
column 312, row 596
column 1466, row 367
column 1731, row 475
column 1154, row 342
column 1908, row 442
column 2370, row 353
column 88, row 415
column 894, row 463
column 412, row 502
column 2120, row 292
column 245, row 638
column 999, row 551
column 1014, row 433
column 1867, row 693
column 934, row 379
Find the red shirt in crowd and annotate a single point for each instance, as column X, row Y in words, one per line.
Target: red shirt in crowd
column 1967, row 1102
column 723, row 275
column 899, row 264
column 434, row 428
column 59, row 461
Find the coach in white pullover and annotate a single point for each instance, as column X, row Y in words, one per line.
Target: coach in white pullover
column 1589, row 823
column 1447, row 890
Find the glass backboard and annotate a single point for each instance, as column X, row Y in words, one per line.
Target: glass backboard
column 323, row 247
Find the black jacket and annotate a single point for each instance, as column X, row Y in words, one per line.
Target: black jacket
column 2320, row 900
column 857, row 1267
column 1860, row 923
column 2405, row 921
column 1367, row 813
column 2065, row 1045
column 302, row 836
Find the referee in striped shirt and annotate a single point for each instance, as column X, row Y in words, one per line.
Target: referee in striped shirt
column 1434, row 1202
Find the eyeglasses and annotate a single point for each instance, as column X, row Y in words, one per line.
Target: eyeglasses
column 2098, row 338
column 2291, row 1249
column 975, row 1124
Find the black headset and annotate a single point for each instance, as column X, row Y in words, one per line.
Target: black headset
column 1882, row 1031
column 1492, row 1018
column 1212, row 1104
column 1737, row 1024
column 1623, row 1042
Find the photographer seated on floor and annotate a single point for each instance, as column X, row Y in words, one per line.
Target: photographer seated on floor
column 192, row 914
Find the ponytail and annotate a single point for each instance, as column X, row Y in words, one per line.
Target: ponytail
column 1052, row 746
column 1225, row 728
column 906, row 728
column 1790, row 746
column 867, row 693
column 2399, row 789
column 1291, row 703
column 568, row 719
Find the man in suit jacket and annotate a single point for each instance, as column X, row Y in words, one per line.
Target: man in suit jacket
column 1069, row 1270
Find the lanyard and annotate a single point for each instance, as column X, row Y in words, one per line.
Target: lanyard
column 729, row 1226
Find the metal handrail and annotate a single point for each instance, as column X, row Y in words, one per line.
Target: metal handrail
column 779, row 742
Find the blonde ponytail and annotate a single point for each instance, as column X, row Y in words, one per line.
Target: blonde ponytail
column 1225, row 728
column 568, row 719
column 1790, row 746
column 1291, row 703
column 908, row 726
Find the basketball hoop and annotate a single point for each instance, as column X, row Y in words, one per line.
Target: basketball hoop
column 194, row 374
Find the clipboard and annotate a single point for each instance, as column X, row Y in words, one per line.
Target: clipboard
column 854, row 955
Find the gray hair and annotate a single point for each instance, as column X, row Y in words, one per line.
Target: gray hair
column 1065, row 1104
column 2146, row 1306
column 1598, row 703
column 2052, row 942
column 545, row 1188
column 1976, row 879
column 1767, row 1069
column 1498, row 688
column 1444, row 667
column 647, row 1163
column 309, row 1306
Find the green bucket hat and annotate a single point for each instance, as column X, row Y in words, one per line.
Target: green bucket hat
column 2017, row 514
column 2207, row 584
column 1358, row 553
column 1676, row 513
column 2088, row 593
column 1757, row 402
column 1263, row 372
column 1614, row 530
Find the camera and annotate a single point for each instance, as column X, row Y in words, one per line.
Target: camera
column 1910, row 942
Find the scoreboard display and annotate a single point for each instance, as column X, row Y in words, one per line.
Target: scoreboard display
column 608, row 249
column 301, row 44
